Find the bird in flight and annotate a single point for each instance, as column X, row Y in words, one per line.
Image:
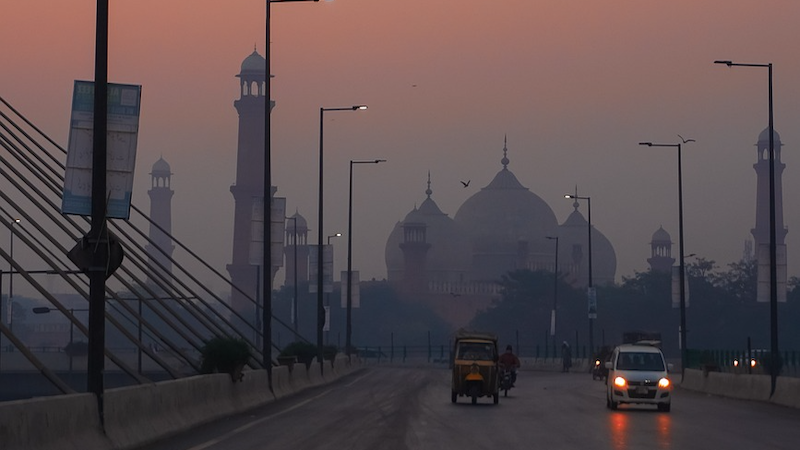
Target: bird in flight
column 686, row 140
column 466, row 184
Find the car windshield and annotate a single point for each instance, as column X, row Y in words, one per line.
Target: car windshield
column 475, row 351
column 640, row 361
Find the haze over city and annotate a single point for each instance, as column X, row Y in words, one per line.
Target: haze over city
column 575, row 86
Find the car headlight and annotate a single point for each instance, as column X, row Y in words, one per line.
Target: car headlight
column 620, row 382
column 663, row 383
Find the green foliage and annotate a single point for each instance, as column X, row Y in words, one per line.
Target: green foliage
column 224, row 355
column 306, row 352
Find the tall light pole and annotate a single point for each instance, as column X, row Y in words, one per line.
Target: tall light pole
column 349, row 326
column 266, row 267
column 11, row 275
column 590, row 292
column 773, row 247
column 555, row 293
column 682, row 264
column 328, row 297
column 320, row 306
column 294, row 299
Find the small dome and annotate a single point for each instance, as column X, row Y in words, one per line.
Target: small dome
column 661, row 236
column 764, row 135
column 161, row 166
column 298, row 220
column 254, row 63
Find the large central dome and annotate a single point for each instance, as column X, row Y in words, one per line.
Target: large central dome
column 506, row 225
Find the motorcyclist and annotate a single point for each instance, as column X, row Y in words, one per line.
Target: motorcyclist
column 509, row 361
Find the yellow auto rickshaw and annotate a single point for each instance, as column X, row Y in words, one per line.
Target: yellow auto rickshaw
column 474, row 364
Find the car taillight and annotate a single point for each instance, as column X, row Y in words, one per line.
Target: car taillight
column 620, row 382
column 663, row 383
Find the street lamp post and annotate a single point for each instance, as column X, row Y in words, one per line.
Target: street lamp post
column 773, row 248
column 320, row 308
column 11, row 276
column 592, row 314
column 555, row 293
column 682, row 263
column 294, row 299
column 266, row 267
column 328, row 297
column 349, row 325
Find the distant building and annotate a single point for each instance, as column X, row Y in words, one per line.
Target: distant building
column 296, row 246
column 453, row 264
column 159, row 251
column 661, row 259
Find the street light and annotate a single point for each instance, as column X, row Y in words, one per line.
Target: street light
column 294, row 299
column 11, row 276
column 682, row 264
column 591, row 294
column 773, row 248
column 555, row 292
column 266, row 267
column 45, row 310
column 349, row 326
column 328, row 297
column 320, row 308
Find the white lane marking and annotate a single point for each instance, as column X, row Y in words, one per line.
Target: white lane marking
column 247, row 426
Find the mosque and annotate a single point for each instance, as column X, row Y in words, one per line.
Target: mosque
column 453, row 264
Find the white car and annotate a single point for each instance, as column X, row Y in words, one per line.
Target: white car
column 638, row 374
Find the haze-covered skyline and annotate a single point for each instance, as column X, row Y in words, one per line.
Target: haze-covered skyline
column 574, row 86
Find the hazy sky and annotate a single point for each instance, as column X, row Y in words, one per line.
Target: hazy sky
column 574, row 84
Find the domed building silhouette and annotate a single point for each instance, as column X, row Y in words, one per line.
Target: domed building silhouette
column 454, row 265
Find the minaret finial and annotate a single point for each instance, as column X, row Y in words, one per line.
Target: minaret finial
column 505, row 161
column 575, row 204
column 429, row 191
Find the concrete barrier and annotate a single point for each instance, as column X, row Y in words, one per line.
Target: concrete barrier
column 64, row 422
column 280, row 382
column 787, row 392
column 315, row 378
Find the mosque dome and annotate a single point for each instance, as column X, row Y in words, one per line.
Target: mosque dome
column 574, row 251
column 764, row 135
column 503, row 221
column 161, row 167
column 661, row 236
column 254, row 63
column 298, row 221
column 448, row 256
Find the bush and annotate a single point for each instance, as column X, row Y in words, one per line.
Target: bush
column 224, row 355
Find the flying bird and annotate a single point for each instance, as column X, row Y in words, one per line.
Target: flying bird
column 686, row 140
column 466, row 184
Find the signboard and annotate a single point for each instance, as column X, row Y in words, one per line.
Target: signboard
column 592, row 295
column 327, row 268
column 256, row 254
column 676, row 287
column 355, row 292
column 762, row 290
column 122, row 134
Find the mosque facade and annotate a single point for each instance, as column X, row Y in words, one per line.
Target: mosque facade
column 454, row 264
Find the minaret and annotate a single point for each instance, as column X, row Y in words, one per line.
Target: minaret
column 761, row 230
column 415, row 248
column 249, row 184
column 161, row 215
column 296, row 245
column 661, row 259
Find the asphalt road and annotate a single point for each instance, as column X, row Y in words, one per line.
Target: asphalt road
column 410, row 408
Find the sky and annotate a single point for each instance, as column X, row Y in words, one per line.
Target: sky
column 574, row 85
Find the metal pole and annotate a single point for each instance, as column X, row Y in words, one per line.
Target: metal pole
column 96, row 238
column 591, row 320
column 773, row 250
column 139, row 348
column 320, row 309
column 349, row 325
column 266, row 312
column 71, row 339
column 295, row 274
column 682, row 268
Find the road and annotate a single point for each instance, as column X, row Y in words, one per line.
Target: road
column 409, row 408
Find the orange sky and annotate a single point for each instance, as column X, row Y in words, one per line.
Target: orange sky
column 574, row 84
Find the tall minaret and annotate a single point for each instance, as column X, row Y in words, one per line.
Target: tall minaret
column 161, row 215
column 415, row 248
column 249, row 184
column 296, row 246
column 761, row 231
column 661, row 259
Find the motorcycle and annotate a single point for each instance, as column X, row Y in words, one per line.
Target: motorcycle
column 599, row 371
column 506, row 381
